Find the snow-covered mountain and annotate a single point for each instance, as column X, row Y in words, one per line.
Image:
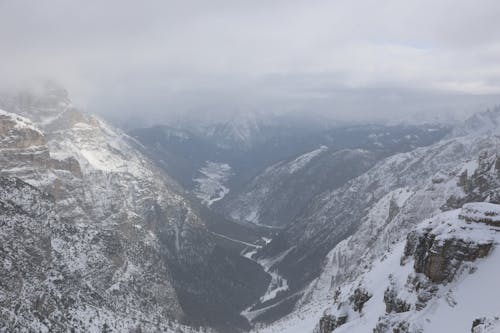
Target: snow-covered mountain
column 187, row 152
column 283, row 190
column 117, row 247
column 342, row 257
column 94, row 236
column 441, row 278
column 242, row 132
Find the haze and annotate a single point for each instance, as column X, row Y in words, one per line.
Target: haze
column 349, row 60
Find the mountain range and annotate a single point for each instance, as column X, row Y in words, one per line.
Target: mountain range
column 281, row 225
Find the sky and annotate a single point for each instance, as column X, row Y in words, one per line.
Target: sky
column 348, row 59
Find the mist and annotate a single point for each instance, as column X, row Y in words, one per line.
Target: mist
column 348, row 60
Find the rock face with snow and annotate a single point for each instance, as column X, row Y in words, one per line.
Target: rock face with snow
column 280, row 193
column 439, row 255
column 435, row 260
column 59, row 276
column 353, row 230
column 117, row 247
column 483, row 325
column 257, row 148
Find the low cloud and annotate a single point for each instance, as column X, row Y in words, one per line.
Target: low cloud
column 348, row 59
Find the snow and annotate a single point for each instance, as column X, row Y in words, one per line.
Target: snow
column 457, row 304
column 277, row 284
column 476, row 296
column 20, row 122
column 210, row 186
column 472, row 294
column 470, row 166
column 252, row 215
column 301, row 161
column 375, row 281
column 481, row 212
column 101, row 160
column 105, row 207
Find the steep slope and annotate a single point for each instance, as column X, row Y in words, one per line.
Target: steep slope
column 279, row 193
column 435, row 281
column 41, row 291
column 346, row 229
column 134, row 242
column 186, row 150
column 442, row 277
column 283, row 190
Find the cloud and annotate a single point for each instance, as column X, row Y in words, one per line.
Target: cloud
column 167, row 57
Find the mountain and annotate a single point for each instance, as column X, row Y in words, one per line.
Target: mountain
column 283, row 190
column 366, row 228
column 183, row 151
column 442, row 277
column 217, row 173
column 242, row 132
column 343, row 253
column 118, row 247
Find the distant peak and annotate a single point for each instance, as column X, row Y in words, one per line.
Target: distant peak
column 486, row 122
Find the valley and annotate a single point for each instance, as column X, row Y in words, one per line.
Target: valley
column 249, row 166
column 198, row 238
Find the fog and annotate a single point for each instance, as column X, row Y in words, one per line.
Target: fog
column 350, row 60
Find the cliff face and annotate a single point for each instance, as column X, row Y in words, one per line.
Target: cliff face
column 360, row 231
column 435, row 261
column 439, row 258
column 117, row 246
column 80, row 264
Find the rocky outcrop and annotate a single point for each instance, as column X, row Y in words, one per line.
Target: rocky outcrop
column 119, row 247
column 419, row 274
column 442, row 249
column 440, row 260
column 393, row 303
column 359, row 298
column 479, row 182
column 481, row 213
column 394, row 324
column 328, row 323
column 69, row 164
column 484, row 325
column 439, row 256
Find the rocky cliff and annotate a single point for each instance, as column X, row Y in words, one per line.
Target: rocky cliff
column 122, row 248
column 362, row 223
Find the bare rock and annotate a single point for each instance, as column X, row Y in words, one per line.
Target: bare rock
column 359, row 298
column 328, row 323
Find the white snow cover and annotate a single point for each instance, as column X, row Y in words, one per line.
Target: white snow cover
column 20, row 121
column 472, row 294
column 277, row 284
column 304, row 159
column 421, row 197
column 248, row 206
column 481, row 212
column 98, row 147
column 106, row 187
column 210, row 187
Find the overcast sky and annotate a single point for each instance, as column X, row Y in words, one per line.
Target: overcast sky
column 350, row 59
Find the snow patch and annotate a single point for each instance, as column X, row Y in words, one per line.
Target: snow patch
column 210, row 186
column 301, row 161
column 20, row 122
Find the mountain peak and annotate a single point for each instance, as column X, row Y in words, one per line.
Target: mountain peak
column 486, row 122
